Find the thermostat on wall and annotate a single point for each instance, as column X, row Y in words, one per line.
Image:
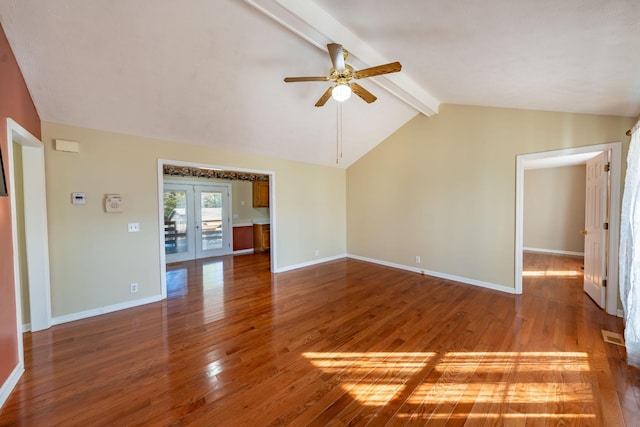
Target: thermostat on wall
column 113, row 203
column 78, row 198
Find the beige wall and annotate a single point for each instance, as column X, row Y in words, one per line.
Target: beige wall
column 243, row 193
column 94, row 259
column 443, row 187
column 554, row 208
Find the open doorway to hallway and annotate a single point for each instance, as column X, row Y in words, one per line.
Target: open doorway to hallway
column 565, row 158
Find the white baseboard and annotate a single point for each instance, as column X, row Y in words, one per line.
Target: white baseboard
column 26, row 327
column 10, row 383
column 468, row 281
column 103, row 310
column 620, row 313
column 309, row 263
column 553, row 251
column 243, row 251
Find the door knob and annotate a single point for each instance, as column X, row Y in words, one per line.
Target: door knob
column 583, row 232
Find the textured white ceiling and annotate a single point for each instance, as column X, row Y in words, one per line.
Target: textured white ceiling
column 210, row 72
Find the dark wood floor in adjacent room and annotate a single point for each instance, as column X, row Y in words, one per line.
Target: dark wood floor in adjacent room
column 342, row 343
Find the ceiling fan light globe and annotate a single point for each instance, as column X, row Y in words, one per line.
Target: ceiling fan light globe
column 341, row 92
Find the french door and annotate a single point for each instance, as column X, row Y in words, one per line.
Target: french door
column 197, row 221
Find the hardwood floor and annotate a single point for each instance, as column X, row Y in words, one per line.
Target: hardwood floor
column 343, row 343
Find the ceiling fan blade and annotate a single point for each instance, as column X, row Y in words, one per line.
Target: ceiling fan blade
column 306, row 79
column 324, row 98
column 362, row 93
column 392, row 67
column 337, row 55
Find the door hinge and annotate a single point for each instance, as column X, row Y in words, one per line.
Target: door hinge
column 605, row 226
column 607, row 167
column 604, row 283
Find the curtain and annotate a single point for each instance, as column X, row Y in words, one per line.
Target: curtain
column 630, row 250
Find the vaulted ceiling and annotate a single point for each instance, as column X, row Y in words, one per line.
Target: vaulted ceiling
column 211, row 72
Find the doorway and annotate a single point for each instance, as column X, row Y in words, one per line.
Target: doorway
column 29, row 170
column 161, row 181
column 197, row 220
column 559, row 158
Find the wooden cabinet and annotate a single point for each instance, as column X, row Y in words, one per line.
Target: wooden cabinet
column 242, row 238
column 261, row 238
column 260, row 194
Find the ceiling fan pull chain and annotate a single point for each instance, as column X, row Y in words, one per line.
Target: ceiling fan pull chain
column 338, row 132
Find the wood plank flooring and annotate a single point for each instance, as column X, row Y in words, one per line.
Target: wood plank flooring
column 342, row 343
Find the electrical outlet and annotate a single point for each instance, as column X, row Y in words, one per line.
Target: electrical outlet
column 134, row 288
column 418, row 260
column 133, row 227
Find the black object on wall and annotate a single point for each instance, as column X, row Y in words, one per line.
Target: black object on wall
column 3, row 181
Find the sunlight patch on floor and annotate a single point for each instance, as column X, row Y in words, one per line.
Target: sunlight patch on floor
column 497, row 416
column 471, row 384
column 557, row 273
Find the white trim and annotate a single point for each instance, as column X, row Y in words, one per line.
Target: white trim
column 614, row 212
column 35, row 225
column 479, row 283
column 161, row 249
column 310, row 263
column 553, row 251
column 272, row 211
column 26, row 327
column 10, row 383
column 620, row 313
column 106, row 309
column 243, row 251
column 36, row 236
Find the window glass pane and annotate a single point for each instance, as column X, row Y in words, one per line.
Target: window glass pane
column 175, row 222
column 211, row 214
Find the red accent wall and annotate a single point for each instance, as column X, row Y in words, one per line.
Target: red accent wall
column 15, row 103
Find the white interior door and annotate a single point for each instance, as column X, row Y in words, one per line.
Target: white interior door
column 595, row 232
column 197, row 221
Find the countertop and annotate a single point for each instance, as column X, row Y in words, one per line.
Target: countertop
column 247, row 222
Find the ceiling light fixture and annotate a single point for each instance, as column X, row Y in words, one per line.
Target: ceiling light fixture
column 341, row 92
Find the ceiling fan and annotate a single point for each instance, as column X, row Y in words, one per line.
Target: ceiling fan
column 342, row 73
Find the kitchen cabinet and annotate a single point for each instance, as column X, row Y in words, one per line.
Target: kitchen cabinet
column 261, row 238
column 242, row 238
column 260, row 194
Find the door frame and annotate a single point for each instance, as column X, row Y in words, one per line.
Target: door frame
column 615, row 148
column 36, row 229
column 272, row 210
